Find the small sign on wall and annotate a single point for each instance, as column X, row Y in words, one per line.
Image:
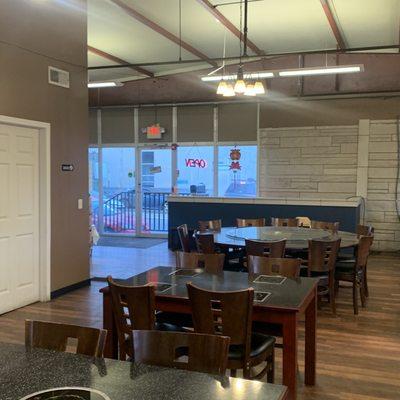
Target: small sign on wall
column 67, row 167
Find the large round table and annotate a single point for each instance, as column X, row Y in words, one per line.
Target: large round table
column 297, row 238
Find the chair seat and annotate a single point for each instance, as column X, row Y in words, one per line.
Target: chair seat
column 268, row 329
column 259, row 344
column 344, row 267
column 174, row 319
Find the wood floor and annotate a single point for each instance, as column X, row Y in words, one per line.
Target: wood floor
column 358, row 356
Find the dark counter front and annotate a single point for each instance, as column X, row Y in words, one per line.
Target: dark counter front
column 25, row 372
column 190, row 212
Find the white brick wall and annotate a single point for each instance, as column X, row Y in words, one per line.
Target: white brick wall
column 332, row 163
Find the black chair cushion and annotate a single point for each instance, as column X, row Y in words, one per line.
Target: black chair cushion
column 345, row 266
column 259, row 344
column 268, row 329
column 177, row 319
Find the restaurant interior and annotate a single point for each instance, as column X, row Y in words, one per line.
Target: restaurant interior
column 211, row 202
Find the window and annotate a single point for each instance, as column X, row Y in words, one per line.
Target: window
column 196, row 170
column 237, row 177
column 94, row 183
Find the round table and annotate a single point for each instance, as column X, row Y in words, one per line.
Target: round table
column 297, row 238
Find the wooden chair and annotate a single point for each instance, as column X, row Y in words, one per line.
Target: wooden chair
column 212, row 263
column 355, row 272
column 322, row 255
column 230, row 314
column 183, row 233
column 245, row 222
column 204, row 353
column 205, row 243
column 328, row 226
column 365, row 230
column 54, row 336
column 212, row 225
column 303, row 222
column 289, row 267
column 291, row 222
column 274, row 249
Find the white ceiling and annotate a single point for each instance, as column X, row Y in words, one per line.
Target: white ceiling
column 274, row 26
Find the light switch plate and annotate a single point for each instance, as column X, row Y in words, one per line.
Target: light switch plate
column 80, row 204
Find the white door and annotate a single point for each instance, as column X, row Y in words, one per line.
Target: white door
column 19, row 217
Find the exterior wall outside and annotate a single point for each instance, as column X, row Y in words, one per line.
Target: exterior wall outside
column 328, row 163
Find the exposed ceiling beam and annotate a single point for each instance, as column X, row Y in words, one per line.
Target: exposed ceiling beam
column 117, row 60
column 159, row 29
column 229, row 25
column 334, row 26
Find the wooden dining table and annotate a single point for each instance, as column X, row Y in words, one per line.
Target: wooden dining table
column 284, row 304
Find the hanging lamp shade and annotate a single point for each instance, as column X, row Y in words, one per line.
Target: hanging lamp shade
column 259, row 88
column 222, row 87
column 250, row 90
column 240, row 85
column 229, row 92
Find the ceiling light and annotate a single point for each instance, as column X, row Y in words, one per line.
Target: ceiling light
column 259, row 88
column 229, row 92
column 103, row 84
column 240, row 86
column 233, row 77
column 323, row 70
column 222, row 87
column 249, row 90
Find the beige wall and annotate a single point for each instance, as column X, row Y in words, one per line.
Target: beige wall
column 34, row 35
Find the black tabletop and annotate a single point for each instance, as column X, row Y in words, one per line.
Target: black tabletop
column 24, row 372
column 297, row 238
column 288, row 294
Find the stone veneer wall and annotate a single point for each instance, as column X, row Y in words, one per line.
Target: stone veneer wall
column 335, row 163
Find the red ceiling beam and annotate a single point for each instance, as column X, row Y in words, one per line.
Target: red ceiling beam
column 229, row 25
column 159, row 29
column 334, row 26
column 117, row 60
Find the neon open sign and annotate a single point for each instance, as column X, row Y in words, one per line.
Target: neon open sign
column 195, row 163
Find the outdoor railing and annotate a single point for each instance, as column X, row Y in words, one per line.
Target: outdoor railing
column 119, row 212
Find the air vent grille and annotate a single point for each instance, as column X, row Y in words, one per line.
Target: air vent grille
column 58, row 77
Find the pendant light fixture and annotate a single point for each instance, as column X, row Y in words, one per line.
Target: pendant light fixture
column 259, row 87
column 240, row 85
column 222, row 87
column 229, row 91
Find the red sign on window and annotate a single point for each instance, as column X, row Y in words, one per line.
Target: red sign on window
column 195, row 163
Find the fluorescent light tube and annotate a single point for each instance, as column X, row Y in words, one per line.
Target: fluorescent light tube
column 253, row 75
column 103, row 84
column 323, row 70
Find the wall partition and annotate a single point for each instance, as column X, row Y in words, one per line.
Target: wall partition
column 206, row 150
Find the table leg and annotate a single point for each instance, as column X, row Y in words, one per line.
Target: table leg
column 111, row 347
column 310, row 341
column 290, row 354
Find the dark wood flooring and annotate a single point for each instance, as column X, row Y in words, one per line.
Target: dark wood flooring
column 358, row 356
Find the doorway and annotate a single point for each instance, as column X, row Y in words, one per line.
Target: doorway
column 24, row 212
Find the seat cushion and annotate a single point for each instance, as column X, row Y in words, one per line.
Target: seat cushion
column 345, row 266
column 267, row 329
column 171, row 318
column 259, row 344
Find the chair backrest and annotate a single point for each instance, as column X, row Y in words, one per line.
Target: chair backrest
column 292, row 222
column 133, row 308
column 289, row 267
column 183, row 233
column 212, row 225
column 205, row 242
column 212, row 263
column 54, row 336
column 244, row 222
column 329, row 226
column 223, row 313
column 365, row 230
column 363, row 250
column 322, row 255
column 303, row 222
column 274, row 249
column 204, row 353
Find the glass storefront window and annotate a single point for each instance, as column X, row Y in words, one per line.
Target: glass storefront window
column 94, row 184
column 237, row 177
column 195, row 170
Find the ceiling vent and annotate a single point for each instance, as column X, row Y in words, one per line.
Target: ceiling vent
column 58, row 77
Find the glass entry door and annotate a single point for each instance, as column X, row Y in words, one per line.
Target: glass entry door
column 155, row 187
column 117, row 211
